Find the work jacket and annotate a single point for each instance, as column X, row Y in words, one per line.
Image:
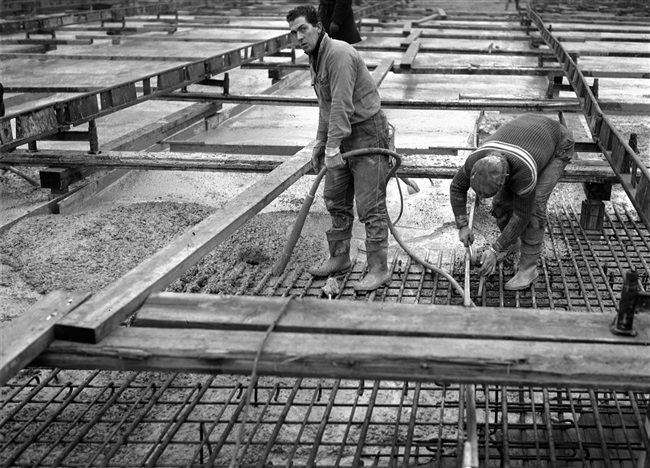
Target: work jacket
column 346, row 92
column 528, row 143
column 339, row 12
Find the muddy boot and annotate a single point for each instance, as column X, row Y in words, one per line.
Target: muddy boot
column 339, row 261
column 378, row 273
column 526, row 273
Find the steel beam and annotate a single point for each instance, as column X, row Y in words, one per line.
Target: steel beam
column 632, row 173
column 55, row 117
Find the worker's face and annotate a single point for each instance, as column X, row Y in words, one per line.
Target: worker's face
column 306, row 33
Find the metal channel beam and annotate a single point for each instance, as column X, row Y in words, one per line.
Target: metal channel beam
column 114, row 14
column 632, row 173
column 51, row 118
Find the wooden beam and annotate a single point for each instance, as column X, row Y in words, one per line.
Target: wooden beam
column 228, row 149
column 107, row 309
column 48, row 207
column 367, row 340
column 83, row 194
column 255, row 313
column 425, row 162
column 553, row 105
column 60, row 178
column 435, row 16
column 25, row 337
column 407, row 28
column 409, row 55
column 487, row 51
column 464, row 70
column 381, row 71
column 414, row 36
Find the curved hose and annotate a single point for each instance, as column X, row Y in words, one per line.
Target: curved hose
column 297, row 228
column 393, row 230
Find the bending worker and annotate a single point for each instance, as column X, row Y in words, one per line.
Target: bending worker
column 519, row 165
column 337, row 19
column 349, row 118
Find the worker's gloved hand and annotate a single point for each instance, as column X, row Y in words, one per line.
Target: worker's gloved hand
column 488, row 262
column 333, row 158
column 334, row 28
column 466, row 236
column 317, row 156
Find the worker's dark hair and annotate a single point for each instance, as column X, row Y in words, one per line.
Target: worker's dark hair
column 308, row 11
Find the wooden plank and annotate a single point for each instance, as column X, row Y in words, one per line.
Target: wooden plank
column 548, row 105
column 27, row 336
column 173, row 310
column 414, row 36
column 520, row 363
column 99, row 316
column 203, row 147
column 89, row 190
column 486, row 51
column 410, row 54
column 408, row 27
column 427, row 18
column 382, row 70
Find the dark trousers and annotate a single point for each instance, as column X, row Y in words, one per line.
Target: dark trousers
column 362, row 179
column 533, row 236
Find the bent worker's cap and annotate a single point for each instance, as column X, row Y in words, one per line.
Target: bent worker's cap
column 489, row 174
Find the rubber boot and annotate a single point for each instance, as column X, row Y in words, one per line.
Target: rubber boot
column 526, row 273
column 378, row 273
column 339, row 261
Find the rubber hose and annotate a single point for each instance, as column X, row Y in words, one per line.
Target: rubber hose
column 392, row 228
column 295, row 234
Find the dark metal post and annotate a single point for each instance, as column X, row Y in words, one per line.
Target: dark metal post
column 624, row 323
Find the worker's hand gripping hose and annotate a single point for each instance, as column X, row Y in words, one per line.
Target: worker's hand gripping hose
column 281, row 264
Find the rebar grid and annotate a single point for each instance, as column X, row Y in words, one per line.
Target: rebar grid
column 580, row 270
column 144, row 419
column 117, row 419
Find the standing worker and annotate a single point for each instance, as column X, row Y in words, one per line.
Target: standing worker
column 519, row 165
column 349, row 118
column 337, row 19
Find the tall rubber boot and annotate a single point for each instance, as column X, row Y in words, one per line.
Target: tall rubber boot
column 378, row 273
column 339, row 261
column 526, row 273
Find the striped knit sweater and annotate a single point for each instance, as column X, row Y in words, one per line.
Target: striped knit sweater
column 528, row 143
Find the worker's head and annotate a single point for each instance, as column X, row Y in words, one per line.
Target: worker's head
column 305, row 26
column 489, row 174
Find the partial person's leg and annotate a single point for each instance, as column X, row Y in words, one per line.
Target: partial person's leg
column 370, row 173
column 532, row 240
column 502, row 208
column 339, row 200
